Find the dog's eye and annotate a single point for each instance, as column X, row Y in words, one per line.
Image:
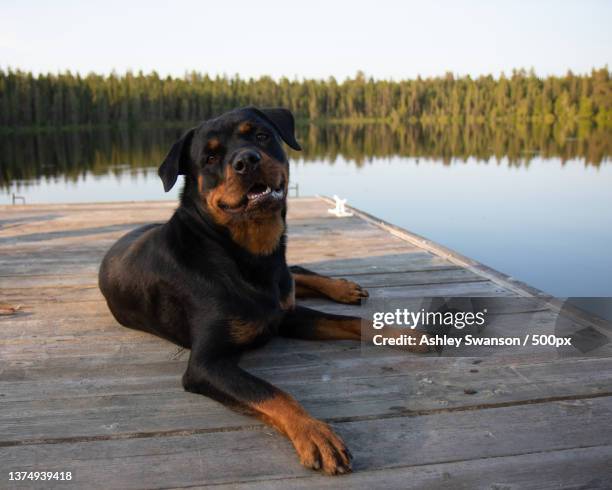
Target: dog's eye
column 262, row 137
column 212, row 159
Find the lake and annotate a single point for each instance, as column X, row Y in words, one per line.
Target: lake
column 532, row 202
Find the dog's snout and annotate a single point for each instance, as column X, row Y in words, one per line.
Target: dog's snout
column 246, row 161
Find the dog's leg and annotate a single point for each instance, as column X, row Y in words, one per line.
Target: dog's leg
column 309, row 284
column 309, row 324
column 318, row 447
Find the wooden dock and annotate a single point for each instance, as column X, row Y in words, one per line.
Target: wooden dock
column 80, row 393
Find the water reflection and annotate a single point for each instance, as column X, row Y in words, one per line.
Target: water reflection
column 26, row 156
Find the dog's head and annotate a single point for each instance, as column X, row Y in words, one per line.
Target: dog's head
column 236, row 169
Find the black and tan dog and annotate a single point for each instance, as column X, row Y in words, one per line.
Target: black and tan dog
column 214, row 278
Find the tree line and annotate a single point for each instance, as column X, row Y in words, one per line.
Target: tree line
column 71, row 100
column 69, row 154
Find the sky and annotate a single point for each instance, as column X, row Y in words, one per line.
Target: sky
column 307, row 39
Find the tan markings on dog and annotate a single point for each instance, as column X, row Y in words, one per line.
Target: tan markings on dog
column 302, row 291
column 200, row 184
column 212, row 203
column 245, row 127
column 335, row 329
column 315, row 442
column 289, row 302
column 259, row 233
column 213, row 144
column 228, row 192
column 245, row 332
column 341, row 290
column 261, row 236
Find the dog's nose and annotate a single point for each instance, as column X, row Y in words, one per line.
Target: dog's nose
column 246, row 161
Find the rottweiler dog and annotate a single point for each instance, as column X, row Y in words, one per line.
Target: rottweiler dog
column 214, row 278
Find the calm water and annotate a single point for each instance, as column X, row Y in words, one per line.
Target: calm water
column 535, row 203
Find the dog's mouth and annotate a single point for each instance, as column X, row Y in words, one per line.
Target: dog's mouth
column 259, row 192
column 258, row 195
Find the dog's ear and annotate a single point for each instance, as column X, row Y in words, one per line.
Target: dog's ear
column 176, row 160
column 283, row 122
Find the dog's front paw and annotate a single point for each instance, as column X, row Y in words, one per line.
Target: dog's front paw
column 320, row 448
column 349, row 292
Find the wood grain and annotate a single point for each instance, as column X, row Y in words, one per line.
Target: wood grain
column 79, row 392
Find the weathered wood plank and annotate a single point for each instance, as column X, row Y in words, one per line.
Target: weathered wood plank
column 90, row 292
column 394, row 263
column 398, row 278
column 69, row 373
column 88, row 261
column 42, row 322
column 35, row 218
column 587, row 468
column 391, row 262
column 149, row 398
column 61, row 335
column 211, row 457
column 96, row 239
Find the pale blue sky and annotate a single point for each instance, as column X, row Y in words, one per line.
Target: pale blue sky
column 384, row 38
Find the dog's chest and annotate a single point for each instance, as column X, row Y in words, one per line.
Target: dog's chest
column 270, row 296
